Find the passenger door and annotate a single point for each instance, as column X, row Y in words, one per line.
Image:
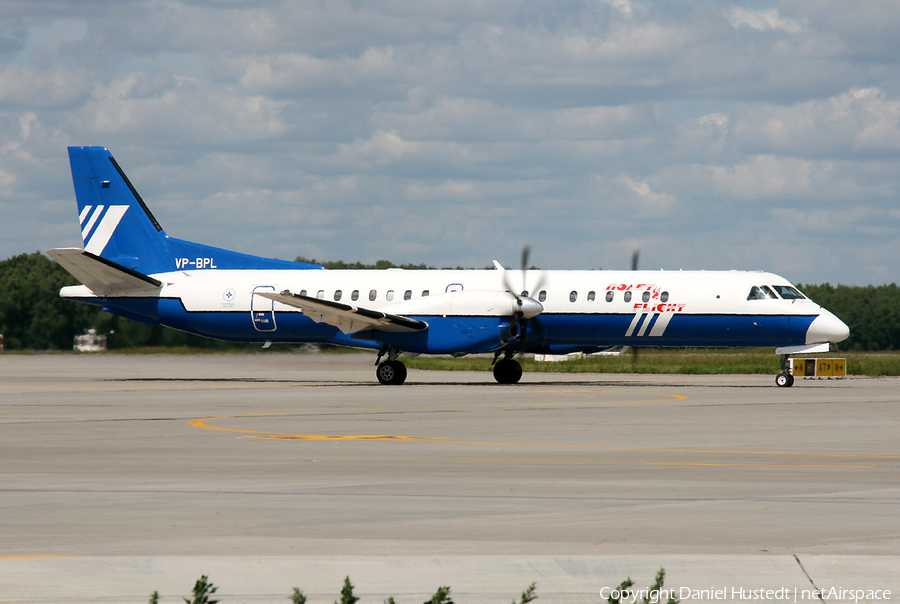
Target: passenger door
column 262, row 310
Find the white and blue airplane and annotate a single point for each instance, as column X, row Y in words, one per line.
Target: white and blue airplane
column 132, row 268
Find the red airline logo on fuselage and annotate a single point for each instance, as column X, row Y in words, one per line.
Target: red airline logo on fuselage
column 662, row 307
column 622, row 287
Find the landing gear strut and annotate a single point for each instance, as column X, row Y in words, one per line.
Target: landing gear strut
column 784, row 379
column 390, row 372
column 507, row 370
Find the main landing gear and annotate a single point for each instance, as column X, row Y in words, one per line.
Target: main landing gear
column 507, row 370
column 784, row 379
column 390, row 372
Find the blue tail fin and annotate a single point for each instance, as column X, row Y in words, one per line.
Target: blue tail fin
column 117, row 226
column 115, row 223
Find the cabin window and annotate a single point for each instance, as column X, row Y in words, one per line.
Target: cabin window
column 664, row 297
column 573, row 295
column 372, row 295
column 542, row 297
column 337, row 295
column 592, row 296
column 302, row 292
column 524, row 293
column 321, row 294
column 389, row 296
column 609, row 296
column 628, row 296
column 645, row 297
column 788, row 293
column 425, row 293
column 407, row 295
column 355, row 295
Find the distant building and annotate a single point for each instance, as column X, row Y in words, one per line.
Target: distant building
column 90, row 342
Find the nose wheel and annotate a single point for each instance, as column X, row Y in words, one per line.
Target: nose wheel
column 784, row 379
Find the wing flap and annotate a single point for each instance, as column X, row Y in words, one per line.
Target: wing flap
column 347, row 318
column 101, row 276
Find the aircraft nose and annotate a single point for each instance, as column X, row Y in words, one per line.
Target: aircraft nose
column 827, row 328
column 530, row 308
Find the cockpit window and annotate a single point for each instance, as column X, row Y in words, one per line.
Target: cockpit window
column 788, row 293
column 761, row 293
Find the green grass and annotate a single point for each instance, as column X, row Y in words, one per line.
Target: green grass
column 686, row 361
column 648, row 360
column 252, row 348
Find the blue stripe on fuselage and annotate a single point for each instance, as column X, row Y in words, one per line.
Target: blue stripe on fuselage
column 683, row 330
column 482, row 334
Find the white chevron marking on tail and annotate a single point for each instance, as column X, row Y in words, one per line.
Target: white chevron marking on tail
column 87, row 228
column 106, row 229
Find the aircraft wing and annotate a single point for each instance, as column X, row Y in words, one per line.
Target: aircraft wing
column 101, row 276
column 347, row 318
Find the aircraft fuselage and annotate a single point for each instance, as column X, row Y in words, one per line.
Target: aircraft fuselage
column 581, row 309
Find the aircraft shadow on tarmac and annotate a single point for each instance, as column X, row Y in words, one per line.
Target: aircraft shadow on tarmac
column 487, row 383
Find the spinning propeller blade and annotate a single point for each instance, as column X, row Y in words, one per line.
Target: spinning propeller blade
column 635, row 256
column 526, row 307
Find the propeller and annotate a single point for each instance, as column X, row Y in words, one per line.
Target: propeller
column 526, row 307
column 635, row 256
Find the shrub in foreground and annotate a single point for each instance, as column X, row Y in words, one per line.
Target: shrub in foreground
column 203, row 588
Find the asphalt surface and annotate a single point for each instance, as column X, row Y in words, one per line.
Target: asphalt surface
column 121, row 475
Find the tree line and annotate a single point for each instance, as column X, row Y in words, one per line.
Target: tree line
column 34, row 317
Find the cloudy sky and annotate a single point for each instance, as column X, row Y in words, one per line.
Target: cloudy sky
column 711, row 135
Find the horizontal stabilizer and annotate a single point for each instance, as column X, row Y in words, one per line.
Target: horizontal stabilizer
column 347, row 318
column 103, row 277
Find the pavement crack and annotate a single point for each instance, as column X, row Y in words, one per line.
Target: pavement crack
column 818, row 592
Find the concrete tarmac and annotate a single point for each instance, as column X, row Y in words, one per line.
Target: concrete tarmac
column 121, row 475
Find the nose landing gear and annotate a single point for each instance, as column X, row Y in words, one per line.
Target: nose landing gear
column 784, row 379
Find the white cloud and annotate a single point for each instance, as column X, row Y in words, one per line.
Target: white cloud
column 469, row 190
column 284, row 73
column 762, row 20
column 862, row 120
column 7, row 180
column 631, row 198
column 833, row 222
column 651, row 202
column 717, row 119
column 179, row 108
column 53, row 85
column 766, row 177
column 382, row 148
